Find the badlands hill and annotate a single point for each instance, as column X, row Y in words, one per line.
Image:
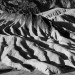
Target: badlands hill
column 42, row 40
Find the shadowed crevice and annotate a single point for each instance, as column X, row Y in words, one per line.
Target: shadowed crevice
column 21, row 52
column 15, row 60
column 15, row 28
column 68, row 18
column 2, row 71
column 4, row 44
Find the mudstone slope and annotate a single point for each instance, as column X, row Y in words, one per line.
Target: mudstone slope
column 45, row 41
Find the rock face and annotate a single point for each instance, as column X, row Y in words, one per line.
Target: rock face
column 35, row 6
column 42, row 42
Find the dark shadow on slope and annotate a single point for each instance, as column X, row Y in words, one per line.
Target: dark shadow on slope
column 2, row 71
column 47, row 47
column 2, row 20
column 73, row 61
column 66, row 25
column 19, row 49
column 62, row 32
column 37, row 42
column 47, row 22
column 15, row 60
column 44, row 34
column 62, row 67
column 6, row 27
column 34, row 30
column 8, row 30
column 69, row 46
column 41, row 44
column 3, row 26
column 3, row 44
column 34, row 24
column 58, row 3
column 24, row 32
column 42, row 7
column 72, row 39
column 68, row 18
column 66, row 46
column 28, row 66
column 23, row 53
column 29, row 50
column 66, row 69
column 15, row 28
column 43, row 38
column 52, row 62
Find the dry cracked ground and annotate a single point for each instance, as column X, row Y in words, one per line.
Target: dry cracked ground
column 41, row 43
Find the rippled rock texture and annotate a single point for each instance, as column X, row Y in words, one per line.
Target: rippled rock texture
column 44, row 41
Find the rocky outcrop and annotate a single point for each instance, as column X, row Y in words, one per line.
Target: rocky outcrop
column 34, row 6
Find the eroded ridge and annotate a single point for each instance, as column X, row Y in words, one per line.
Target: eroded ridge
column 29, row 42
